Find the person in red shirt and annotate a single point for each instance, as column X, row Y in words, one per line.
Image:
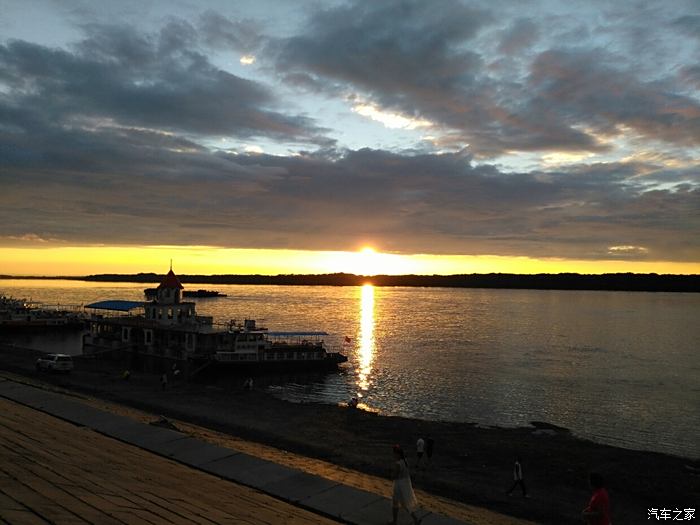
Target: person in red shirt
column 598, row 510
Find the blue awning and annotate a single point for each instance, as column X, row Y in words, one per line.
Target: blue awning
column 119, row 306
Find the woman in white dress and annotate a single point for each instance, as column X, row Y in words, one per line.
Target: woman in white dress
column 403, row 491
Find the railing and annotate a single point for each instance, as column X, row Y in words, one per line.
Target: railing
column 235, row 356
column 104, row 342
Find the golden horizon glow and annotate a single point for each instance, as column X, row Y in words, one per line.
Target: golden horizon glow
column 206, row 260
column 366, row 338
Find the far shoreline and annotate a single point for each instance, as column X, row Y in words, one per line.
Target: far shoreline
column 622, row 282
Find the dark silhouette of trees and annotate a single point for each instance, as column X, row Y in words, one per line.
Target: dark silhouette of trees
column 636, row 282
column 564, row 281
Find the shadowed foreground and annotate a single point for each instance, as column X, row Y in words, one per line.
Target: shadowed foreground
column 55, row 472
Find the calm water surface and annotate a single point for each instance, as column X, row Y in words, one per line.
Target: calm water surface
column 615, row 367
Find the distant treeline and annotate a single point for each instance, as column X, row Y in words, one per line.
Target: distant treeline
column 563, row 281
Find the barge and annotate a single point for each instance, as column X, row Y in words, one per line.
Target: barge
column 151, row 293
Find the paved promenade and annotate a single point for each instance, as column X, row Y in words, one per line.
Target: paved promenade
column 52, row 471
column 62, row 461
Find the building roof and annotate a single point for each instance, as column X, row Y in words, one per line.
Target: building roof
column 118, row 305
column 171, row 281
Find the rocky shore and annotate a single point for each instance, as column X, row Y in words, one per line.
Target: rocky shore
column 471, row 464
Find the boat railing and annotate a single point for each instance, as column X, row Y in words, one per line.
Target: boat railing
column 248, row 325
column 58, row 307
column 105, row 344
column 235, row 356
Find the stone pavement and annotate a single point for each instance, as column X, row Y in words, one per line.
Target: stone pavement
column 145, row 497
column 52, row 471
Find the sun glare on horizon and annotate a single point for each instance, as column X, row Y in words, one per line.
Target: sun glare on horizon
column 368, row 262
column 365, row 261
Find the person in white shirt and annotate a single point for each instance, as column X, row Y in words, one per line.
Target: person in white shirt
column 403, row 495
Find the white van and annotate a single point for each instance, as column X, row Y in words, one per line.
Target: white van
column 55, row 363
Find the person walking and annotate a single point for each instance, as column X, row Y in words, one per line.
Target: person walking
column 403, row 495
column 164, row 381
column 429, row 445
column 420, row 447
column 598, row 510
column 518, row 478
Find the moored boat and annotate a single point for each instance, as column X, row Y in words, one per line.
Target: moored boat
column 151, row 293
column 167, row 331
column 202, row 293
column 20, row 314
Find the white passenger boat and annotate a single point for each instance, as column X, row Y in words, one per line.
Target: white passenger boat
column 168, row 330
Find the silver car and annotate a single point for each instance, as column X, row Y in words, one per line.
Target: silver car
column 55, row 363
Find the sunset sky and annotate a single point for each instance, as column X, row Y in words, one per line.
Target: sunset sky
column 368, row 137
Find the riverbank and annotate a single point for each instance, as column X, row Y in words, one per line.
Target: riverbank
column 471, row 464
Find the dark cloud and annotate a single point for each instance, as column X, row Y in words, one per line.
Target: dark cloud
column 130, row 186
column 409, row 57
column 158, row 81
column 219, row 31
column 690, row 24
column 691, row 75
column 522, row 34
column 412, row 58
column 583, row 87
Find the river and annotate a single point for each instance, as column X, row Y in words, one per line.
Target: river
column 614, row 367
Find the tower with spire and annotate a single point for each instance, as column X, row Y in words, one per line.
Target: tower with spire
column 168, row 308
column 169, row 291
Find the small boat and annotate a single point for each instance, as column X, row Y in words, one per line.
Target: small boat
column 150, row 293
column 202, row 293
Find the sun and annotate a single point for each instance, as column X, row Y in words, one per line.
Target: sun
column 366, row 261
column 369, row 261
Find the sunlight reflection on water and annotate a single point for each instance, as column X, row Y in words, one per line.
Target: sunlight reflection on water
column 366, row 338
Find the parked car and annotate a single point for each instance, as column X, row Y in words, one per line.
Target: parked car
column 55, row 363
